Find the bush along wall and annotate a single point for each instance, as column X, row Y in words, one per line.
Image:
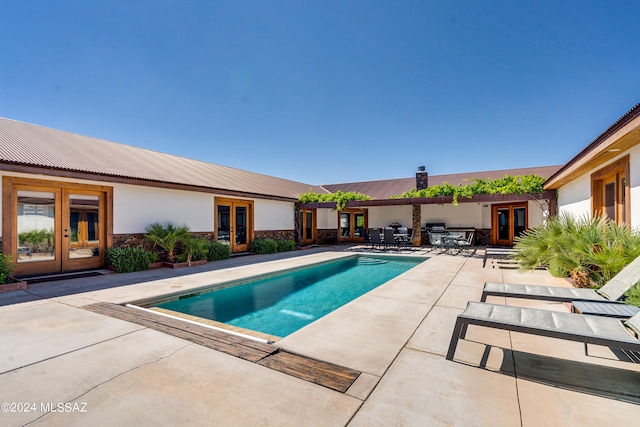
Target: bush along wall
column 218, row 251
column 128, row 260
column 271, row 246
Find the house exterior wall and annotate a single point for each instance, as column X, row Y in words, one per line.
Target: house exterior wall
column 463, row 215
column 273, row 215
column 575, row 197
column 135, row 207
column 383, row 216
column 327, row 219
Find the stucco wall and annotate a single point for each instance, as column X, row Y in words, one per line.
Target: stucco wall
column 135, row 207
column 327, row 219
column 273, row 215
column 383, row 216
column 463, row 215
column 537, row 213
column 575, row 197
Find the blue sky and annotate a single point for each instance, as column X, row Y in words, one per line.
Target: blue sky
column 327, row 91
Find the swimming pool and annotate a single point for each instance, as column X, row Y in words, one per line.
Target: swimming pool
column 282, row 304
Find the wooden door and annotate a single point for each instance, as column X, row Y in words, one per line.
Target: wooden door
column 508, row 221
column 52, row 227
column 83, row 242
column 234, row 223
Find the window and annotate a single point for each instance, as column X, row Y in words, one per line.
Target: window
column 610, row 192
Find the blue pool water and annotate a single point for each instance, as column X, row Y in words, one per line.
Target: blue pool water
column 282, row 304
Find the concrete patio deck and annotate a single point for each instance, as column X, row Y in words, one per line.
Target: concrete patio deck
column 112, row 372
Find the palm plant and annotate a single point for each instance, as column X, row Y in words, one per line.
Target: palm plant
column 167, row 235
column 194, row 249
column 589, row 249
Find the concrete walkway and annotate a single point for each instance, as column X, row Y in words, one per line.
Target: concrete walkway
column 62, row 365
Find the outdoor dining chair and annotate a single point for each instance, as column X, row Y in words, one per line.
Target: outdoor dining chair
column 388, row 239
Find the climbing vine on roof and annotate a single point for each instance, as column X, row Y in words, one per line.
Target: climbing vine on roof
column 340, row 197
column 519, row 184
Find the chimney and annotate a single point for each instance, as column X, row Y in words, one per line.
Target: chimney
column 422, row 178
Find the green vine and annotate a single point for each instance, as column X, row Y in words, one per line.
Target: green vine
column 519, row 184
column 340, row 197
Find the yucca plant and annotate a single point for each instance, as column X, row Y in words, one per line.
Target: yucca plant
column 589, row 249
column 167, row 235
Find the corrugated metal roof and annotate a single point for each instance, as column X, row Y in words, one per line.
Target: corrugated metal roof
column 394, row 187
column 32, row 145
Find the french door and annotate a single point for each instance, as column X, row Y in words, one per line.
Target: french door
column 508, row 221
column 54, row 228
column 308, row 226
column 352, row 224
column 234, row 223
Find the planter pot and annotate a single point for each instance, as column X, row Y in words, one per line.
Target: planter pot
column 184, row 264
column 15, row 285
column 156, row 264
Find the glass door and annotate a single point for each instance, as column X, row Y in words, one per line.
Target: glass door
column 345, row 226
column 82, row 230
column 37, row 237
column 358, row 226
column 504, row 231
column 241, row 240
column 508, row 221
column 234, row 223
column 353, row 224
column 54, row 228
column 308, row 218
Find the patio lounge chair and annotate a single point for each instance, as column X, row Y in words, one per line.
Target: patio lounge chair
column 583, row 328
column 612, row 291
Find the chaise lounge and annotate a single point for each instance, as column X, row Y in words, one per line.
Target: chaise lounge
column 612, row 291
column 583, row 328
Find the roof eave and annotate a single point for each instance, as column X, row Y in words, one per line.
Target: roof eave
column 618, row 138
column 68, row 173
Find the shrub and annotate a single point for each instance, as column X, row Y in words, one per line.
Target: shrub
column 285, row 245
column 264, row 246
column 589, row 249
column 127, row 260
column 218, row 251
column 6, row 266
column 194, row 249
column 167, row 235
column 632, row 296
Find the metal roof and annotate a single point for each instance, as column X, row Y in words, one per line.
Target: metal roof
column 394, row 187
column 32, row 145
column 25, row 144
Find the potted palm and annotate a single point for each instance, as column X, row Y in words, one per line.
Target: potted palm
column 167, row 235
column 194, row 251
